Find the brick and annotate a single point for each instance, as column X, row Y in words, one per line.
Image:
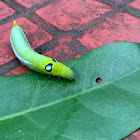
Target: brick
column 135, row 4
column 19, row 70
column 5, row 11
column 36, row 37
column 71, row 14
column 118, row 1
column 62, row 52
column 78, row 55
column 121, row 28
column 30, row 3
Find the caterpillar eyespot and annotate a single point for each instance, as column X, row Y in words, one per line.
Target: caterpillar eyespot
column 33, row 60
column 54, row 60
column 48, row 67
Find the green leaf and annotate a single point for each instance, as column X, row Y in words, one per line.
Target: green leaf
column 35, row 107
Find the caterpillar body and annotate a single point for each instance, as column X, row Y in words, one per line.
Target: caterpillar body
column 40, row 63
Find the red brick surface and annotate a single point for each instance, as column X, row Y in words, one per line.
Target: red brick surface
column 71, row 14
column 78, row 55
column 67, row 29
column 135, row 4
column 5, row 11
column 118, row 0
column 121, row 28
column 30, row 3
column 19, row 70
column 62, row 52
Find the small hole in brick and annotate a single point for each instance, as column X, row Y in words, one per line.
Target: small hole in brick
column 98, row 80
column 39, row 51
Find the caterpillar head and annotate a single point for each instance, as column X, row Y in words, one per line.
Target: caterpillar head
column 56, row 68
column 70, row 75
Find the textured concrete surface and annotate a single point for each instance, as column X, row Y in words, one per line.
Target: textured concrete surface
column 67, row 29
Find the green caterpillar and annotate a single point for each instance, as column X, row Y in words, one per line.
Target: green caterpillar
column 35, row 61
